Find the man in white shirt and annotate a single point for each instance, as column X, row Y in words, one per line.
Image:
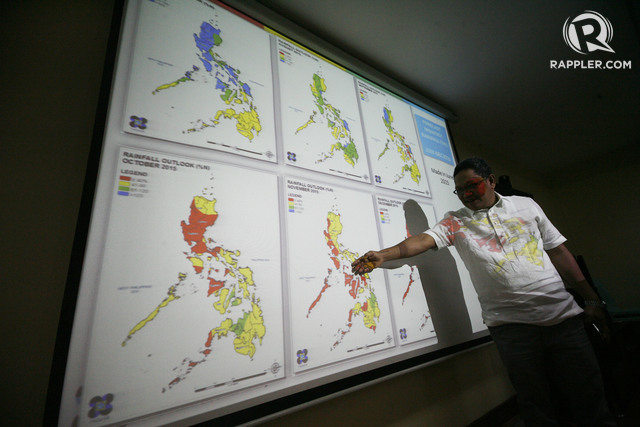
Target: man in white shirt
column 517, row 260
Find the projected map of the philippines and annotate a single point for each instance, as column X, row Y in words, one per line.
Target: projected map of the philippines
column 321, row 127
column 409, row 302
column 189, row 302
column 335, row 314
column 231, row 287
column 392, row 140
column 201, row 75
column 338, row 127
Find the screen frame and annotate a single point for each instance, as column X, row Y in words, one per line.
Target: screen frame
column 275, row 406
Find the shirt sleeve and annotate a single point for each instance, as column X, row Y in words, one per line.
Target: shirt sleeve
column 442, row 232
column 551, row 237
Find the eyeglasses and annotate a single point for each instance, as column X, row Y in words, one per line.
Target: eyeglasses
column 469, row 186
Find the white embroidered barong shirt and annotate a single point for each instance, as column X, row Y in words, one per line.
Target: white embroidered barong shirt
column 503, row 248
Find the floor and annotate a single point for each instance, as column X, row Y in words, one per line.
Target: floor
column 630, row 418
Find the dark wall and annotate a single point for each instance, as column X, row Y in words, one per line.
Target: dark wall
column 52, row 57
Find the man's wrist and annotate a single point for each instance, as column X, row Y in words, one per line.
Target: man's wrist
column 595, row 303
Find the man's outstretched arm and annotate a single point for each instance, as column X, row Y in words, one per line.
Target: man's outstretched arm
column 412, row 246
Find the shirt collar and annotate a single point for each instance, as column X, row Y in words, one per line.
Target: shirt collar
column 498, row 204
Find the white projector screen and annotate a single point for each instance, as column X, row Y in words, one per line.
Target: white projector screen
column 240, row 174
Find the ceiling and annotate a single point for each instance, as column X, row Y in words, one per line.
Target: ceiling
column 489, row 63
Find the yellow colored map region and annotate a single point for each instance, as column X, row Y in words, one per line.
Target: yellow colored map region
column 170, row 85
column 370, row 315
column 245, row 280
column 197, row 262
column 171, row 297
column 306, row 124
column 246, row 121
column 415, row 172
column 223, row 329
column 335, row 227
column 227, row 256
column 206, row 206
column 223, row 302
column 253, row 328
column 530, row 251
column 338, row 131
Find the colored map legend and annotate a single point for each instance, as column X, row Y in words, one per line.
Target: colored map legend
column 132, row 186
column 384, row 216
column 295, row 204
column 124, row 186
column 285, row 57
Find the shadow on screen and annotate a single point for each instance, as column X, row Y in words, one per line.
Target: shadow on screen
column 440, row 281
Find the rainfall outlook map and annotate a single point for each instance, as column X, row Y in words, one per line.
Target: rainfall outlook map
column 409, row 303
column 189, row 301
column 321, row 128
column 202, row 76
column 334, row 314
column 396, row 158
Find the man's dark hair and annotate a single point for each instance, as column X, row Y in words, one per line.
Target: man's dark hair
column 479, row 166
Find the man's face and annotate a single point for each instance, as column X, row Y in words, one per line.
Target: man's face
column 474, row 191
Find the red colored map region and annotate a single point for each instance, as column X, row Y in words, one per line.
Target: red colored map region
column 330, row 242
column 408, row 286
column 324, row 288
column 214, row 286
column 454, row 228
column 354, row 283
column 193, row 231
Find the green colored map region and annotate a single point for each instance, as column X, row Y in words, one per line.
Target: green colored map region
column 218, row 276
column 247, row 328
column 403, row 149
column 338, row 127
